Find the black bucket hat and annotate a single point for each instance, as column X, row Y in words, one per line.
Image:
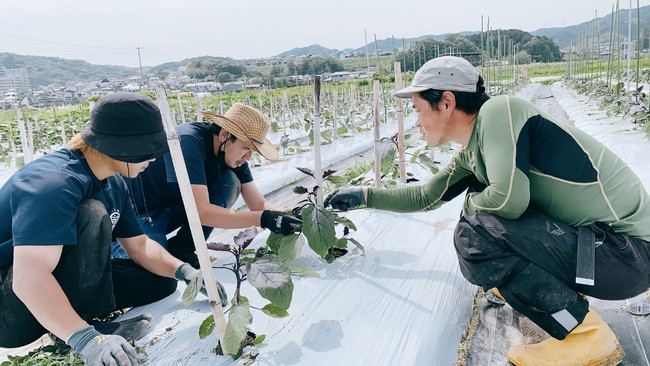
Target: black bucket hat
column 127, row 127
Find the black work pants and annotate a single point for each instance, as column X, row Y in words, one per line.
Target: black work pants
column 532, row 261
column 94, row 284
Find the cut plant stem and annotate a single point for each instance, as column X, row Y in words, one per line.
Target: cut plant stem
column 400, row 124
column 375, row 109
column 317, row 141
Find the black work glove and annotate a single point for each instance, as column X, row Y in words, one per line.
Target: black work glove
column 102, row 349
column 133, row 328
column 186, row 273
column 280, row 223
column 345, row 198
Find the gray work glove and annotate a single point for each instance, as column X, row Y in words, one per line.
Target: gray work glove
column 186, row 273
column 102, row 349
column 345, row 198
column 280, row 223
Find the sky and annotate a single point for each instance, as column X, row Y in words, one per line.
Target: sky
column 111, row 32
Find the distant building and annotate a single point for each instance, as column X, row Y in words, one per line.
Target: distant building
column 14, row 80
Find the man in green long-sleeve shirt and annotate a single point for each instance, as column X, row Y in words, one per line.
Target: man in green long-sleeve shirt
column 550, row 213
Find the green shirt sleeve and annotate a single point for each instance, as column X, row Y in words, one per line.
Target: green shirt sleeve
column 441, row 188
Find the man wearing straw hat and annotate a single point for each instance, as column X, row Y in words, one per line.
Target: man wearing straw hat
column 216, row 155
column 58, row 215
column 550, row 215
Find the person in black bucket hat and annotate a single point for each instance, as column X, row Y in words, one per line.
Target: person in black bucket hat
column 216, row 155
column 126, row 127
column 58, row 215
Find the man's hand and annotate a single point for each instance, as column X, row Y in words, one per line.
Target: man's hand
column 186, row 273
column 280, row 223
column 101, row 349
column 345, row 198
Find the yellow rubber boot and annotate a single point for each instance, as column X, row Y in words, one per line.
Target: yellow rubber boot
column 591, row 343
column 497, row 293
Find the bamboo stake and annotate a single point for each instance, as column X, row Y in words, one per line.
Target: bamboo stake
column 611, row 51
column 180, row 107
column 335, row 115
column 317, row 141
column 629, row 41
column 30, row 138
column 285, row 112
column 271, row 109
column 598, row 64
column 400, row 124
column 221, row 107
column 638, row 43
column 375, row 86
column 352, row 104
column 10, row 134
column 618, row 43
column 199, row 108
column 27, row 153
column 191, row 210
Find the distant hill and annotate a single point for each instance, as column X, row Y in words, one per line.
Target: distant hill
column 563, row 36
column 47, row 70
column 173, row 66
column 314, row 49
column 386, row 44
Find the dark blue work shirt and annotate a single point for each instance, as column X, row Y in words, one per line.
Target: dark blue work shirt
column 158, row 183
column 39, row 203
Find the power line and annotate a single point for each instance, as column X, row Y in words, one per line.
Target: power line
column 64, row 43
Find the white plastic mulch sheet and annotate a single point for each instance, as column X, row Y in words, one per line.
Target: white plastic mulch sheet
column 403, row 303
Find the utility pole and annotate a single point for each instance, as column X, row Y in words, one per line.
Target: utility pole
column 140, row 60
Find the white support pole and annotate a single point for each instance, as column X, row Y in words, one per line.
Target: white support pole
column 190, row 209
column 24, row 141
column 400, row 124
column 199, row 108
column 335, row 115
column 180, row 107
column 317, row 141
column 376, row 91
column 353, row 93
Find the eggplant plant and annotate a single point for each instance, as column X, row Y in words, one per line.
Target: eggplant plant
column 268, row 269
column 319, row 223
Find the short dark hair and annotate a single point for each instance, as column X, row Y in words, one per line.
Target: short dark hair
column 216, row 129
column 467, row 102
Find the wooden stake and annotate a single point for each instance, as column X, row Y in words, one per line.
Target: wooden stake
column 375, row 109
column 317, row 163
column 400, row 124
column 180, row 107
column 191, row 210
column 352, row 104
column 199, row 108
column 10, row 132
column 24, row 143
column 335, row 115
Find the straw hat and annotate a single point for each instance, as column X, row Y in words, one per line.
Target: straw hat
column 249, row 125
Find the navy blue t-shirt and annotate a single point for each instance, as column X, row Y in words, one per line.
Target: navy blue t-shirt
column 158, row 182
column 39, row 203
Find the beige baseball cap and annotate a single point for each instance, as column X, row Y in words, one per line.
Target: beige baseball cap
column 448, row 73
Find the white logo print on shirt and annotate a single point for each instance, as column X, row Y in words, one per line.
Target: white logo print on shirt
column 115, row 216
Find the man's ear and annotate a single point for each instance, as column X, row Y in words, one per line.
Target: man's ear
column 223, row 135
column 449, row 100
